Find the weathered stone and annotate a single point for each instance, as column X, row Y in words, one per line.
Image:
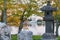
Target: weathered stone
column 49, row 21
column 25, row 35
column 49, row 39
column 48, row 36
column 4, row 32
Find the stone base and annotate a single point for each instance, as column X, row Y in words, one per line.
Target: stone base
column 48, row 36
column 48, row 39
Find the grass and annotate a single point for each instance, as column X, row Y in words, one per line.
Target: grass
column 35, row 37
column 59, row 38
column 14, row 37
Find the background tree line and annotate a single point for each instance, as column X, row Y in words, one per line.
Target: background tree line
column 14, row 9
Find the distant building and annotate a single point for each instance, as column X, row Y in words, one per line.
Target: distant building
column 35, row 19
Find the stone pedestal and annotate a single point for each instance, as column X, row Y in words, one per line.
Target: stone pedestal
column 48, row 39
column 25, row 35
column 49, row 22
column 48, row 36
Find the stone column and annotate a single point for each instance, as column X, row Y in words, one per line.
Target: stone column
column 49, row 21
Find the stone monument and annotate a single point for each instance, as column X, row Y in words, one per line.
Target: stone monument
column 4, row 32
column 49, row 21
column 25, row 34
